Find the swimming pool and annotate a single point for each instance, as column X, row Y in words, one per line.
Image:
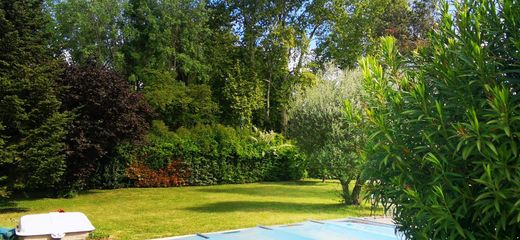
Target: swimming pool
column 344, row 229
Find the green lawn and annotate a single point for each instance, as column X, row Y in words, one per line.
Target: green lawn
column 160, row 212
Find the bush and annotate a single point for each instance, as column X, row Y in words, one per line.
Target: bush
column 288, row 164
column 215, row 154
column 111, row 172
column 108, row 113
column 173, row 175
column 445, row 130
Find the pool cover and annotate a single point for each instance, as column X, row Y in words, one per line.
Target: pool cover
column 345, row 229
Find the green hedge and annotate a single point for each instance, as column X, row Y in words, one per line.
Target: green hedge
column 216, row 154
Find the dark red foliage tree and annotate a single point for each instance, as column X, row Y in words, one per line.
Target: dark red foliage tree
column 107, row 113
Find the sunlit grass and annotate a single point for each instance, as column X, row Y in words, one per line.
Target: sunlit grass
column 159, row 212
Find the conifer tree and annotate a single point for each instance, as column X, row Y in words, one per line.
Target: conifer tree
column 31, row 124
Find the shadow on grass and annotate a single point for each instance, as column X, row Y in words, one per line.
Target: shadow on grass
column 278, row 189
column 7, row 206
column 13, row 210
column 36, row 196
column 266, row 191
column 296, row 183
column 285, row 207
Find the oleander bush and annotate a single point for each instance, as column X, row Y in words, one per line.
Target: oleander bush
column 445, row 128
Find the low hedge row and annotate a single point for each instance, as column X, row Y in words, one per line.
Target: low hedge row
column 210, row 154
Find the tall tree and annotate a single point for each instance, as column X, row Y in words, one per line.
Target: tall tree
column 167, row 40
column 243, row 93
column 187, row 21
column 91, row 30
column 357, row 25
column 271, row 32
column 147, row 51
column 33, row 127
column 222, row 53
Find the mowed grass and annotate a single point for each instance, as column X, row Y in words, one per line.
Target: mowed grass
column 143, row 213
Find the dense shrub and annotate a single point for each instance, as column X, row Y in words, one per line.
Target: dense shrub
column 112, row 169
column 107, row 112
column 445, row 130
column 215, row 154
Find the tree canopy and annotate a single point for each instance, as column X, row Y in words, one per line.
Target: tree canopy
column 317, row 122
column 270, row 48
column 83, row 80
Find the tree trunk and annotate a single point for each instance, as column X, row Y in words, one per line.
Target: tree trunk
column 284, row 120
column 303, row 52
column 268, row 104
column 350, row 198
column 345, row 194
column 356, row 192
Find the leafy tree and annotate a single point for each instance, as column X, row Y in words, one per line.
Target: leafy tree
column 91, row 30
column 108, row 113
column 146, row 51
column 187, row 20
column 242, row 82
column 445, row 130
column 357, row 25
column 166, row 57
column 32, row 127
column 422, row 20
column 271, row 32
column 166, row 40
column 222, row 54
column 242, row 91
column 182, row 106
column 317, row 123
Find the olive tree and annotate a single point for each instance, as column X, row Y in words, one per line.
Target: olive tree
column 317, row 123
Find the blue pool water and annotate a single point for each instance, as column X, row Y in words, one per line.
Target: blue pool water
column 346, row 229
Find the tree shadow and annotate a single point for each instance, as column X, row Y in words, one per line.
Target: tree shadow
column 34, row 196
column 260, row 206
column 7, row 206
column 92, row 192
column 295, row 183
column 13, row 210
column 266, row 191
